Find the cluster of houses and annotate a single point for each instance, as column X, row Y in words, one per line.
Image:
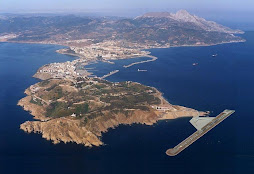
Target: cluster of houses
column 61, row 70
column 107, row 50
column 161, row 109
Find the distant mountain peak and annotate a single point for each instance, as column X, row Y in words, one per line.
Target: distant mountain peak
column 156, row 15
column 178, row 14
column 183, row 16
column 183, row 13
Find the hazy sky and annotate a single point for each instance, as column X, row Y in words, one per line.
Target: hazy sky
column 234, row 13
column 13, row 5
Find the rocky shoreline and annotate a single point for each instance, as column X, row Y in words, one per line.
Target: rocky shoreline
column 71, row 130
column 68, row 129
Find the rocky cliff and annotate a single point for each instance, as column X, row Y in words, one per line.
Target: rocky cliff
column 55, row 123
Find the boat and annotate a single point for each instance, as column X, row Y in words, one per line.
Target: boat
column 195, row 64
column 214, row 55
column 142, row 70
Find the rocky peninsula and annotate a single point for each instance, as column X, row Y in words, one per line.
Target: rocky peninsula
column 80, row 110
column 71, row 105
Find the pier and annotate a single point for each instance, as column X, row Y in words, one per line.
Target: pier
column 107, row 61
column 109, row 74
column 145, row 61
column 202, row 125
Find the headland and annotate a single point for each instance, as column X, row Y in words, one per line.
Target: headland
column 71, row 106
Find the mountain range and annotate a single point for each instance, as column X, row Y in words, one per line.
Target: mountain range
column 154, row 29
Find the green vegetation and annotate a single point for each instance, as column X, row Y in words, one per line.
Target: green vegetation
column 51, row 87
column 81, row 109
column 142, row 30
column 63, row 109
column 36, row 101
column 54, row 92
column 44, row 82
column 102, row 97
column 58, row 109
column 99, row 86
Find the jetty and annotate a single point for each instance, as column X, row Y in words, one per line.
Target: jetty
column 107, row 61
column 144, row 61
column 203, row 125
column 109, row 74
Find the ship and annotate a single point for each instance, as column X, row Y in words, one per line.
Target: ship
column 214, row 55
column 144, row 70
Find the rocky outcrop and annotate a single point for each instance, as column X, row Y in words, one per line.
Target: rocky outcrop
column 62, row 130
column 35, row 110
column 72, row 130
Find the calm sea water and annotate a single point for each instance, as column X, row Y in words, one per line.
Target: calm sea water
column 223, row 82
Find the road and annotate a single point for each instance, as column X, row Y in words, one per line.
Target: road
column 199, row 133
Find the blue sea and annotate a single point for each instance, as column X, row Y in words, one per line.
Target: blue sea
column 215, row 84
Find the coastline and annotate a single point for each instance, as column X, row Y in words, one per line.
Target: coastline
column 126, row 57
column 148, row 55
column 43, row 124
column 154, row 58
column 69, row 129
column 78, row 56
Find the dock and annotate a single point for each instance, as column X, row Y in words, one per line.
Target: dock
column 203, row 125
column 109, row 74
